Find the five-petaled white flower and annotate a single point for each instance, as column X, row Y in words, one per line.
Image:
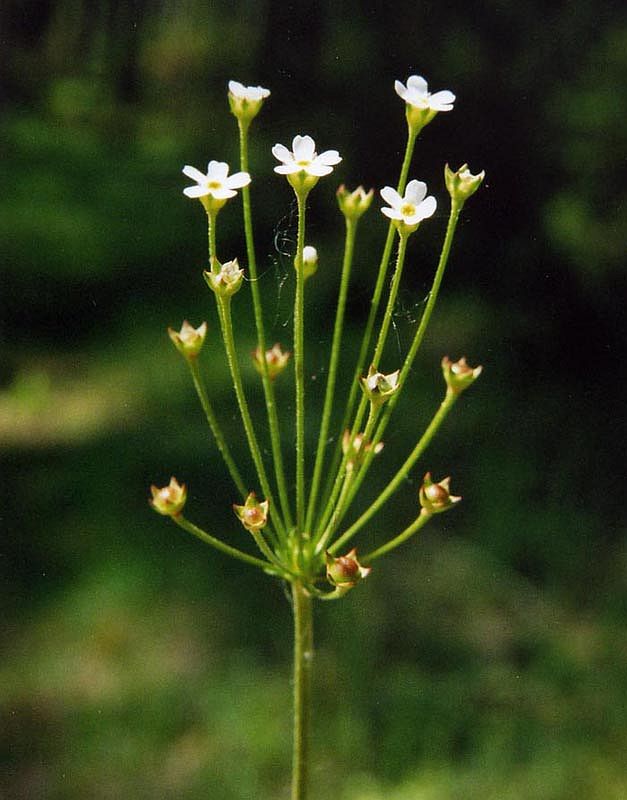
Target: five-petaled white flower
column 412, row 208
column 250, row 93
column 416, row 94
column 304, row 158
column 216, row 182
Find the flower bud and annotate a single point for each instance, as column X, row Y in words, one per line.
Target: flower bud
column 275, row 358
column 253, row 515
column 357, row 450
column 458, row 375
column 354, row 204
column 169, row 500
column 189, row 340
column 462, row 184
column 246, row 101
column 436, row 497
column 227, row 280
column 310, row 261
column 379, row 387
column 345, row 571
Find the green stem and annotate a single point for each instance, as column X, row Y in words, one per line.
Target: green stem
column 389, row 309
column 303, row 665
column 321, row 542
column 433, row 296
column 401, row 475
column 374, row 307
column 402, row 537
column 224, row 312
column 268, row 386
column 417, row 341
column 211, row 229
column 267, row 550
column 299, row 370
column 337, row 505
column 225, row 548
column 351, row 229
column 223, row 447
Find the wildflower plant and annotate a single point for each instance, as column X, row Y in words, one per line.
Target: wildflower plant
column 296, row 520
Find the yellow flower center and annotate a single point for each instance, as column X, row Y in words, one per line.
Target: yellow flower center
column 408, row 209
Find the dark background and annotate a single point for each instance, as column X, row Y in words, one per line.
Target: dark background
column 486, row 659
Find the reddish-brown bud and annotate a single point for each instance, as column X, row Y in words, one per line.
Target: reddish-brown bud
column 345, row 571
column 436, row 497
column 253, row 515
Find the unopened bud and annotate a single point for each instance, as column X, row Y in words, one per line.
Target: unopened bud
column 310, row 261
column 354, row 204
column 276, row 360
column 462, row 184
column 436, row 497
column 227, row 280
column 458, row 375
column 253, row 515
column 345, row 571
column 189, row 340
column 170, row 499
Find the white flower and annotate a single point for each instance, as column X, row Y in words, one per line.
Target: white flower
column 416, row 94
column 215, row 182
column 251, row 94
column 304, row 158
column 412, row 208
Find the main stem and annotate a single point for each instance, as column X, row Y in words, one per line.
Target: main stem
column 303, row 665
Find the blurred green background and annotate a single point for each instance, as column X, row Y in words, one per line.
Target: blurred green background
column 485, row 661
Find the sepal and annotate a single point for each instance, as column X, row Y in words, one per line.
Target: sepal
column 169, row 500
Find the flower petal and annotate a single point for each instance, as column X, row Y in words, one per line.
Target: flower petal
column 237, row 88
column 287, row 169
column 329, row 157
column 391, row 196
column 281, row 152
column 400, row 89
column 391, row 213
column 237, row 180
column 304, row 148
column 317, row 169
column 217, row 170
column 442, row 101
column 418, row 83
column 427, row 207
column 195, row 191
column 416, row 192
column 223, row 193
column 194, row 174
